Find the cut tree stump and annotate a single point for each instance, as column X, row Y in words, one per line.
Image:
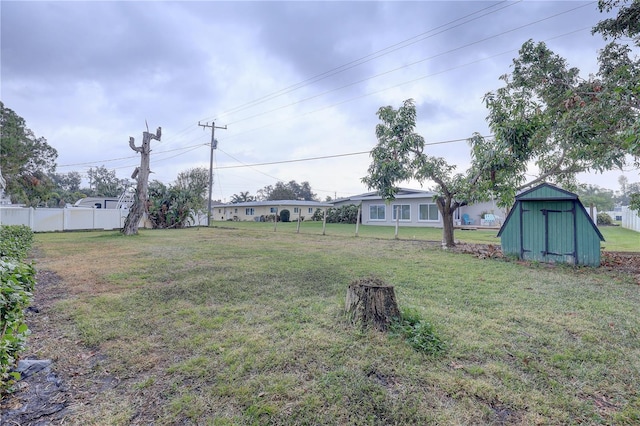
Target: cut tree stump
column 371, row 303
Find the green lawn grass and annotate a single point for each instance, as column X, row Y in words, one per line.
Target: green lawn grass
column 617, row 238
column 246, row 326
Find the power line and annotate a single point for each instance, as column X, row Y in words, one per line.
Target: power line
column 323, row 157
column 367, row 58
column 406, row 65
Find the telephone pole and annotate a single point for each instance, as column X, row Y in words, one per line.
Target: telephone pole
column 214, row 145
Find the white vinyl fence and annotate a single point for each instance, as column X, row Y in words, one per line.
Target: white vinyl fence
column 630, row 219
column 73, row 219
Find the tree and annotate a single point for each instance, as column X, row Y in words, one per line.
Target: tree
column 140, row 204
column 602, row 198
column 68, row 182
column 545, row 115
column 195, row 181
column 66, row 189
column 243, row 197
column 624, row 25
column 172, row 206
column 399, row 156
column 105, row 183
column 287, row 191
column 634, row 202
column 25, row 160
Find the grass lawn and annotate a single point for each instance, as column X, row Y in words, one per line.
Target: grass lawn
column 617, row 238
column 245, row 326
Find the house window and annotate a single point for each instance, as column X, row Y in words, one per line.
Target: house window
column 405, row 211
column 235, row 210
column 428, row 212
column 377, row 212
column 273, row 210
column 249, row 211
column 310, row 210
column 219, row 210
column 296, row 210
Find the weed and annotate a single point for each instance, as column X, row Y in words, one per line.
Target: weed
column 420, row 334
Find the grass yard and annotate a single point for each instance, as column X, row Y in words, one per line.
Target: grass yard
column 242, row 326
column 617, row 238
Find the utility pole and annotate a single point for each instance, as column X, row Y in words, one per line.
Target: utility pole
column 214, row 145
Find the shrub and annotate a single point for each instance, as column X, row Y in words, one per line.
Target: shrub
column 418, row 333
column 342, row 214
column 285, row 215
column 604, row 219
column 15, row 241
column 17, row 280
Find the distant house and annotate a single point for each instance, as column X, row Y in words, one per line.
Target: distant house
column 417, row 208
column 549, row 224
column 259, row 210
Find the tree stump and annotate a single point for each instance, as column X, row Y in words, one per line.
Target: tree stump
column 371, row 303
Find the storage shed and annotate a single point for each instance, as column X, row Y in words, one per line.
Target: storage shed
column 549, row 224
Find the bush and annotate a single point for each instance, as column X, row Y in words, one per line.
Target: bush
column 285, row 215
column 15, row 241
column 17, row 280
column 342, row 214
column 421, row 335
column 604, row 219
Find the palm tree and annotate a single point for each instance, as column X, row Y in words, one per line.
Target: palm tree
column 243, row 197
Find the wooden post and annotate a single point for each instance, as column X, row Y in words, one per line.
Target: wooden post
column 275, row 220
column 298, row 228
column 358, row 219
column 397, row 220
column 324, row 221
column 371, row 303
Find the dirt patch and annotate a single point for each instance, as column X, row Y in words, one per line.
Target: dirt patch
column 50, row 396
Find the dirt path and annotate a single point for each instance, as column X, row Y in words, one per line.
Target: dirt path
column 72, row 381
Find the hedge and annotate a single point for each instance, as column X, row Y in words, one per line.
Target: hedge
column 17, row 281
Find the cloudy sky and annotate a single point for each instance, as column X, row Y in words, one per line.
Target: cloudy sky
column 297, row 84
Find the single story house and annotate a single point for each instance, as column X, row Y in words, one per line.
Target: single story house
column 255, row 210
column 417, row 208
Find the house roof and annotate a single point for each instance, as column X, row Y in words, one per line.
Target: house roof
column 274, row 203
column 403, row 193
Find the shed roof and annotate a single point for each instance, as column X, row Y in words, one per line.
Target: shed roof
column 546, row 191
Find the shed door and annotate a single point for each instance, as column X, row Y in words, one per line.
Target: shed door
column 531, row 231
column 548, row 231
column 559, row 234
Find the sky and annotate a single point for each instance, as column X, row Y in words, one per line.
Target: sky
column 292, row 88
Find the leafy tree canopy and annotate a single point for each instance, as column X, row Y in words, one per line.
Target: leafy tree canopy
column 105, row 183
column 25, row 160
column 399, row 156
column 287, row 191
column 196, row 182
column 172, row 206
column 601, row 198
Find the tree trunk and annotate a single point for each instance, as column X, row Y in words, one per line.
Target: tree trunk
column 446, row 211
column 140, row 205
column 371, row 303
